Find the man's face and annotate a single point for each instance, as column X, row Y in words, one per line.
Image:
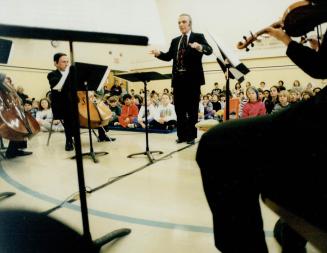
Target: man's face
column 184, row 24
column 62, row 63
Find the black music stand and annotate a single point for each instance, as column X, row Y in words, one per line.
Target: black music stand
column 70, row 36
column 232, row 68
column 89, row 77
column 144, row 77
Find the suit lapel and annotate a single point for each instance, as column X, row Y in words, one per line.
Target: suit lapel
column 191, row 39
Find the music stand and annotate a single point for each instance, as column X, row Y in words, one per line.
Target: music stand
column 90, row 77
column 144, row 77
column 70, row 36
column 231, row 66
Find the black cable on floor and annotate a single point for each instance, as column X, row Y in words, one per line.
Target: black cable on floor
column 70, row 199
column 115, row 179
column 75, row 196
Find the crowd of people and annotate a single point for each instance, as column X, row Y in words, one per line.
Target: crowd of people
column 128, row 110
column 254, row 100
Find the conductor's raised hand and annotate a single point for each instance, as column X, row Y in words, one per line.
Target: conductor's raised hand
column 155, row 52
column 196, row 46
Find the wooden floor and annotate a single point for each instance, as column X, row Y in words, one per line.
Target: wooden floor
column 162, row 203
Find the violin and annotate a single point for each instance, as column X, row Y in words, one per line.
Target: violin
column 299, row 18
column 15, row 124
column 100, row 114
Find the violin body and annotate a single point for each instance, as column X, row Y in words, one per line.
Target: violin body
column 15, row 124
column 100, row 114
column 302, row 17
column 299, row 18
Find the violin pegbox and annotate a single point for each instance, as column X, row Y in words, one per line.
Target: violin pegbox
column 240, row 44
column 247, row 41
column 254, row 37
column 251, row 39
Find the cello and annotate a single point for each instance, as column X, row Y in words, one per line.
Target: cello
column 15, row 124
column 100, row 114
column 299, row 18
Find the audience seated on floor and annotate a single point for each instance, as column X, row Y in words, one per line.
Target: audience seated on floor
column 140, row 120
column 165, row 115
column 44, row 117
column 129, row 112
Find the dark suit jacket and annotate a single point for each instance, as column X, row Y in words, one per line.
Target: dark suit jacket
column 310, row 61
column 60, row 100
column 192, row 58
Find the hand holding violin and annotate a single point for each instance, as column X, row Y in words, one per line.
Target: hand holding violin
column 314, row 44
column 279, row 34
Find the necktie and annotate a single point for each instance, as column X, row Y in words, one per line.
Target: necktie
column 181, row 53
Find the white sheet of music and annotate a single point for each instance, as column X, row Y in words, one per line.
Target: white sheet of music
column 62, row 80
column 104, row 79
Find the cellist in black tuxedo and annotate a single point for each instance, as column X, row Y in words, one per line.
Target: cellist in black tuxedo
column 186, row 51
column 61, row 96
column 61, row 99
column 298, row 183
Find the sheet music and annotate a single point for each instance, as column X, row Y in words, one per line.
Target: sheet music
column 232, row 58
column 237, row 69
column 104, row 78
column 237, row 74
column 62, row 80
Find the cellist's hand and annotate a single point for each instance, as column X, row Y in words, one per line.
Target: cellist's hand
column 279, row 34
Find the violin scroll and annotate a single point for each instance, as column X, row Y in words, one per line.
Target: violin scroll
column 249, row 41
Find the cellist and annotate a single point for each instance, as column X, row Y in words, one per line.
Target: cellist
column 14, row 147
column 61, row 98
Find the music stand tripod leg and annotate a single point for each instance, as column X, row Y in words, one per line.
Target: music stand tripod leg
column 4, row 195
column 111, row 236
column 50, row 132
column 147, row 152
column 2, row 146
